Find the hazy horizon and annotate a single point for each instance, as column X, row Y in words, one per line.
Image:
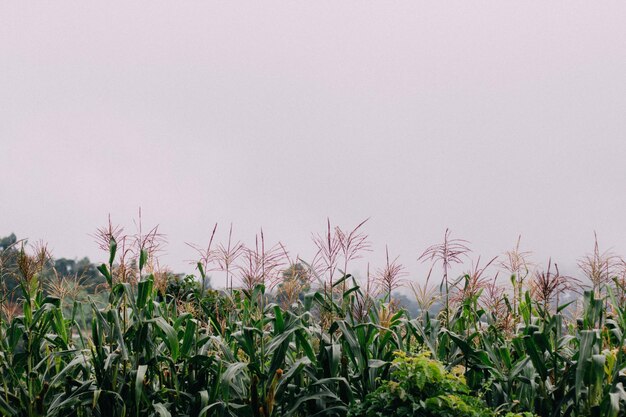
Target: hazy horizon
column 491, row 119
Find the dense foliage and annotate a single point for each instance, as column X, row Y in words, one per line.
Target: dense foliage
column 168, row 346
column 421, row 386
column 81, row 271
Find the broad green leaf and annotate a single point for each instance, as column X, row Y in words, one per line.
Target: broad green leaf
column 139, row 381
column 170, row 336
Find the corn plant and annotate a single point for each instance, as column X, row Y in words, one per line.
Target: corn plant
column 147, row 348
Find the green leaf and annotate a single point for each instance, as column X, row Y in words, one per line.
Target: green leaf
column 161, row 410
column 564, row 306
column 144, row 290
column 139, row 380
column 597, row 377
column 59, row 326
column 6, row 409
column 341, row 280
column 114, row 316
column 536, row 357
column 201, row 269
column 587, row 340
column 143, row 257
column 613, row 404
column 112, row 250
column 279, row 324
column 104, row 270
column 188, row 338
column 170, row 339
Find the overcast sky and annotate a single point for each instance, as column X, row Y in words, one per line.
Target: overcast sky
column 491, row 118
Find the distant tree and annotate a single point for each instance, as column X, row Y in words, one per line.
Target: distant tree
column 7, row 241
column 182, row 287
column 294, row 283
column 408, row 304
column 80, row 271
column 83, row 270
column 8, row 263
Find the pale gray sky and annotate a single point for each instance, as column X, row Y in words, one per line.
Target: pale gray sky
column 491, row 118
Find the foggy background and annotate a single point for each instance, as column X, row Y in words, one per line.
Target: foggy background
column 491, row 118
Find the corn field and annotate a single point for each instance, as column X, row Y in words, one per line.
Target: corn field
column 307, row 340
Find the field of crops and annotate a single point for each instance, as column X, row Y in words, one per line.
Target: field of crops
column 290, row 338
